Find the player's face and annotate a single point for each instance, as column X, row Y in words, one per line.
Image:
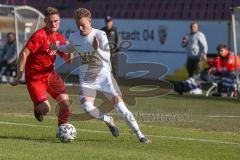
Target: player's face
column 11, row 38
column 52, row 22
column 194, row 28
column 223, row 52
column 84, row 25
column 109, row 24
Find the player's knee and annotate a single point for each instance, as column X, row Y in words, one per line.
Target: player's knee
column 87, row 99
column 117, row 99
column 87, row 106
column 63, row 101
column 42, row 108
column 62, row 98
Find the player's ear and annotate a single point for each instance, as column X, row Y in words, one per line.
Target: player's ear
column 90, row 20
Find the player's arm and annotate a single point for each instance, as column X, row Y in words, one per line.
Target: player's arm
column 21, row 65
column 100, row 44
column 31, row 47
column 66, row 51
column 68, row 57
column 3, row 54
column 203, row 43
column 13, row 56
column 116, row 37
column 67, row 48
column 185, row 41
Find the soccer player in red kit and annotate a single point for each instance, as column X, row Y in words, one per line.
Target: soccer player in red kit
column 38, row 61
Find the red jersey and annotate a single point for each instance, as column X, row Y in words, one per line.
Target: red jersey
column 41, row 60
column 227, row 64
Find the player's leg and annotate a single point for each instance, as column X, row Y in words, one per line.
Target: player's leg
column 114, row 94
column 129, row 118
column 190, row 68
column 64, row 108
column 87, row 98
column 41, row 109
column 57, row 90
column 37, row 91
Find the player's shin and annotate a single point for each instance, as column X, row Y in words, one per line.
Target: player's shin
column 64, row 112
column 129, row 118
column 94, row 112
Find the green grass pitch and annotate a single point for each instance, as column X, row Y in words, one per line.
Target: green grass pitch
column 180, row 127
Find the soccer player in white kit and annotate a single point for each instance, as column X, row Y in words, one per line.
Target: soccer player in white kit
column 95, row 73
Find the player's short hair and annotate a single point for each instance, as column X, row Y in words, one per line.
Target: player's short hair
column 82, row 12
column 51, row 11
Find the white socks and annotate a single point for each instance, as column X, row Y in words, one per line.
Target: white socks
column 129, row 118
column 94, row 112
column 121, row 108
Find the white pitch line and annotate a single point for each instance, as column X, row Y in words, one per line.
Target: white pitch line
column 155, row 136
column 223, row 116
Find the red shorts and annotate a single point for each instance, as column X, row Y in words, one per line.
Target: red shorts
column 51, row 83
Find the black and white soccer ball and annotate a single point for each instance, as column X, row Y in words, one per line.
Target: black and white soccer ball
column 66, row 133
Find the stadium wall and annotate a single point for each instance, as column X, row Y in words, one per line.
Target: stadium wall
column 157, row 41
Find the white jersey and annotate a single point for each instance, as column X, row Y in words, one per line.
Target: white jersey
column 91, row 60
column 95, row 70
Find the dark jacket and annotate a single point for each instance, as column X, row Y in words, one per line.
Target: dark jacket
column 112, row 35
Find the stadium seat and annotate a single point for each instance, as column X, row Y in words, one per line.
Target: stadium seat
column 153, row 9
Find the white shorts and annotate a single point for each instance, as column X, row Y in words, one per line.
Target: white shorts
column 103, row 82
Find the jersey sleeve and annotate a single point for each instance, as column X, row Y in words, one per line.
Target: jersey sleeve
column 203, row 43
column 62, row 42
column 103, row 50
column 34, row 43
column 66, row 48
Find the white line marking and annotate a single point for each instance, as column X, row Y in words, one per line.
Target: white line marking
column 223, row 116
column 155, row 136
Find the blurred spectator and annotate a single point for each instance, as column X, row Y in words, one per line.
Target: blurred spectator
column 196, row 49
column 225, row 61
column 8, row 57
column 224, row 65
column 112, row 35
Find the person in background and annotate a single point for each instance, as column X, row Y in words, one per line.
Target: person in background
column 8, row 57
column 113, row 39
column 224, row 66
column 196, row 49
column 225, row 61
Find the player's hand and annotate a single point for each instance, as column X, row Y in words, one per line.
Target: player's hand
column 204, row 57
column 95, row 43
column 184, row 41
column 17, row 79
column 211, row 71
column 14, row 83
column 52, row 46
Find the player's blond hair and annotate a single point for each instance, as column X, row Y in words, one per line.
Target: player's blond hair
column 82, row 12
column 50, row 11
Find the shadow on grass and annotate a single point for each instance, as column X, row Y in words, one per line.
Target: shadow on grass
column 42, row 140
column 49, row 139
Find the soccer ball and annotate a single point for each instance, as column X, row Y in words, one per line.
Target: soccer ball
column 66, row 132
